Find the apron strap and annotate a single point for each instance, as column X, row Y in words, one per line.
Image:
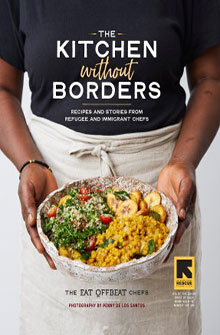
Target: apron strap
column 100, row 151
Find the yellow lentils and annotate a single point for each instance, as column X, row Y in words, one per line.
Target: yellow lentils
column 126, row 239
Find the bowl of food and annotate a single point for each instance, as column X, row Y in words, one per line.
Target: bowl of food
column 107, row 229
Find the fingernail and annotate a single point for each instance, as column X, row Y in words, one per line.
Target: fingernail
column 30, row 218
column 40, row 249
column 52, row 265
column 183, row 213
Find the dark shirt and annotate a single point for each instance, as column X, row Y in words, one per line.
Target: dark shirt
column 107, row 66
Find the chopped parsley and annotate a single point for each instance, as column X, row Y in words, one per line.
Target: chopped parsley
column 76, row 221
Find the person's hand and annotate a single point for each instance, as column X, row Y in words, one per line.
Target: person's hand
column 177, row 181
column 35, row 184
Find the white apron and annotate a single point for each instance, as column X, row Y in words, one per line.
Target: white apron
column 44, row 304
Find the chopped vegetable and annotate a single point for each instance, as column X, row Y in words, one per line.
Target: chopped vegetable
column 153, row 198
column 106, row 243
column 85, row 197
column 136, row 196
column 155, row 215
column 90, row 243
column 113, row 202
column 152, row 246
column 84, row 190
column 52, row 211
column 85, row 255
column 123, row 195
column 160, row 210
column 64, row 199
column 127, row 208
column 143, row 208
column 106, row 219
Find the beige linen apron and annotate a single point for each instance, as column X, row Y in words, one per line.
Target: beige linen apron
column 44, row 304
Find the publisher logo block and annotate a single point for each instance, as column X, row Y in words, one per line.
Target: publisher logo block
column 184, row 273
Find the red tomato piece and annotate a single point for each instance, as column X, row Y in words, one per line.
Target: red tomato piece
column 83, row 190
column 52, row 211
column 90, row 243
column 85, row 197
column 106, row 219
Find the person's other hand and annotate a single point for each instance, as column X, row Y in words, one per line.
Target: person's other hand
column 177, row 181
column 35, row 184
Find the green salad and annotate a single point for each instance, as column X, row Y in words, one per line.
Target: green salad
column 76, row 220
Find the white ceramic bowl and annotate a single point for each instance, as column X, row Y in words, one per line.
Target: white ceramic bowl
column 134, row 269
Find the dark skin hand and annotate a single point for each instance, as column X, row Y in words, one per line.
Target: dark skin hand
column 35, row 184
column 177, row 178
column 17, row 144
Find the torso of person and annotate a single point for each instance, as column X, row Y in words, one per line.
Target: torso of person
column 107, row 67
